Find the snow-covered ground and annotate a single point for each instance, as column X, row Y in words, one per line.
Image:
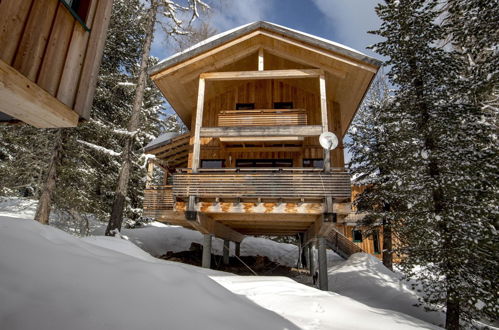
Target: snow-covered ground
column 52, row 280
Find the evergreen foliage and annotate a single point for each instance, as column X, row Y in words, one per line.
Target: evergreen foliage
column 430, row 153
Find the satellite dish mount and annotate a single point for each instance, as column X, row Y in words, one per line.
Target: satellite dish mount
column 328, row 141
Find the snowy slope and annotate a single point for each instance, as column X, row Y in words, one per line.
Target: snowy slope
column 52, row 280
column 364, row 278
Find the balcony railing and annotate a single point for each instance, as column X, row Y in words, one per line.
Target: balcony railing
column 262, row 117
column 289, row 183
column 156, row 200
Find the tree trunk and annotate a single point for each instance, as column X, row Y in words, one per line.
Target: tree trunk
column 45, row 202
column 387, row 245
column 452, row 315
column 116, row 218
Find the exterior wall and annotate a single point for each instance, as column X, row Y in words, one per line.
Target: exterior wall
column 367, row 243
column 44, row 42
column 264, row 93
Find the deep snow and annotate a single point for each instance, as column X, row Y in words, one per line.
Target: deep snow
column 52, row 280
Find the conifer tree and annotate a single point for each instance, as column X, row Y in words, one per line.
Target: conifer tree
column 441, row 162
column 173, row 25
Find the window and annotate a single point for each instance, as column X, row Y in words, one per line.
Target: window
column 79, row 9
column 283, row 105
column 278, row 163
column 212, row 163
column 245, row 106
column 376, row 243
column 315, row 163
column 357, row 236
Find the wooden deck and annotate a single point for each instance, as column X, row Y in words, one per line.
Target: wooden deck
column 262, row 117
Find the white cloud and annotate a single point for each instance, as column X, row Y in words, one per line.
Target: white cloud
column 351, row 19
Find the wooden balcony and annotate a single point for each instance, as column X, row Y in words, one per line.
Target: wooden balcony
column 156, row 200
column 261, row 183
column 262, row 117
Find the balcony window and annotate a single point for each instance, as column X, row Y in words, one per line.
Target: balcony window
column 277, row 163
column 357, row 236
column 283, row 105
column 212, row 163
column 315, row 163
column 245, row 106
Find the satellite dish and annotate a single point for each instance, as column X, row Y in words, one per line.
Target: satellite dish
column 328, row 140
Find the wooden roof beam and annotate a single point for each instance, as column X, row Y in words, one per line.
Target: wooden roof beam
column 265, row 74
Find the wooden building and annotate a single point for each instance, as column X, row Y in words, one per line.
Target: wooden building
column 50, row 53
column 255, row 100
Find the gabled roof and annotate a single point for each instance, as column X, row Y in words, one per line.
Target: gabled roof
column 348, row 72
column 232, row 34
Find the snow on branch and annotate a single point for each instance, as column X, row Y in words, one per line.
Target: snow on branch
column 100, row 148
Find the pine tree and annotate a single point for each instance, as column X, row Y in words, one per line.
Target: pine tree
column 173, row 25
column 442, row 161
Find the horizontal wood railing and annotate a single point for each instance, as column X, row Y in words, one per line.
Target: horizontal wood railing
column 157, row 199
column 263, row 184
column 262, row 117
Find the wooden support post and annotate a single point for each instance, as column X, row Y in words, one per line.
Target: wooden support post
column 325, row 126
column 311, row 259
column 197, row 128
column 321, row 247
column 238, row 249
column 261, row 63
column 150, row 172
column 206, row 262
column 226, row 251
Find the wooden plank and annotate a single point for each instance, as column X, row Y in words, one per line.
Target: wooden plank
column 197, row 128
column 13, row 16
column 261, row 63
column 35, row 36
column 267, row 74
column 55, row 55
column 207, row 225
column 261, row 131
column 324, row 119
column 93, row 57
column 26, row 101
column 72, row 66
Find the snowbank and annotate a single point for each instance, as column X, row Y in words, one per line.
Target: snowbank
column 52, row 280
column 364, row 278
column 313, row 309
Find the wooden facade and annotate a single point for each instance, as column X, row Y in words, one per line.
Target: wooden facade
column 49, row 59
column 256, row 101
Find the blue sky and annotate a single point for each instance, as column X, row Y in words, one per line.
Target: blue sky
column 343, row 21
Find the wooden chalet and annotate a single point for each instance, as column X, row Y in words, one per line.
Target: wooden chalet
column 256, row 99
column 50, row 53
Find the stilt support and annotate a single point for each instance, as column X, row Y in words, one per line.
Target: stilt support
column 206, row 262
column 238, row 249
column 321, row 247
column 311, row 260
column 226, row 251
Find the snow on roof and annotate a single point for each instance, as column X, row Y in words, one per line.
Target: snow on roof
column 226, row 36
column 161, row 140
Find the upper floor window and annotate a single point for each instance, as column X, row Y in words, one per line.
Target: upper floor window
column 212, row 163
column 245, row 106
column 79, row 9
column 283, row 105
